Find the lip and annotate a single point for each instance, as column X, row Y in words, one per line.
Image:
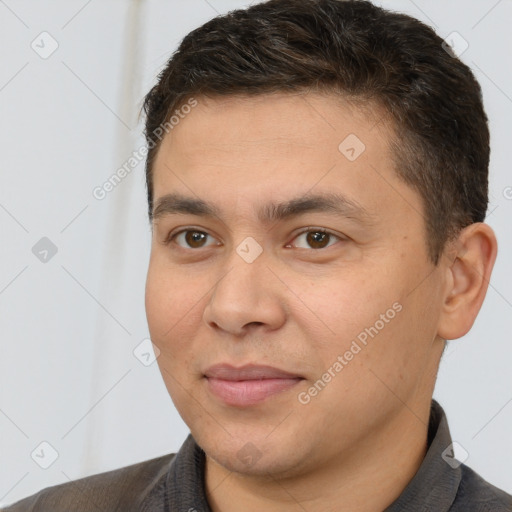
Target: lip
column 248, row 385
column 247, row 372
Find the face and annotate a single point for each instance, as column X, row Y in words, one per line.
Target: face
column 340, row 295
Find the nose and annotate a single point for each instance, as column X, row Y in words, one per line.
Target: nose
column 247, row 295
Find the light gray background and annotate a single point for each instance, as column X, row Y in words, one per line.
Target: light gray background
column 68, row 375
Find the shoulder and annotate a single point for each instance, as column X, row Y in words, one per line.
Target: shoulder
column 121, row 489
column 478, row 495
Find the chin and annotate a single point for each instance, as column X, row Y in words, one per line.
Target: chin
column 252, row 457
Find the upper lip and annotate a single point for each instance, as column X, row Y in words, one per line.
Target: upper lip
column 247, row 372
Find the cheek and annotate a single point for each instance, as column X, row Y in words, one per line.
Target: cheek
column 156, row 302
column 365, row 325
column 168, row 299
column 174, row 309
column 344, row 307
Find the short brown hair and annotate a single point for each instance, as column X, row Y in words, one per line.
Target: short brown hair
column 353, row 48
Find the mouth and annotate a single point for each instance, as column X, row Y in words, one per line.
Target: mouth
column 248, row 385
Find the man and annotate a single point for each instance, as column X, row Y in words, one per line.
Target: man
column 317, row 185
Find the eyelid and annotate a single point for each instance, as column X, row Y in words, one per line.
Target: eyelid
column 319, row 230
column 173, row 234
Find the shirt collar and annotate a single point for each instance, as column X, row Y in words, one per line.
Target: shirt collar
column 435, row 484
column 433, row 487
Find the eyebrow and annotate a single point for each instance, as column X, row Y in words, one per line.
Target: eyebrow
column 337, row 204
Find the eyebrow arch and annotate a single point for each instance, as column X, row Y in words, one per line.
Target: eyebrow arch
column 337, row 204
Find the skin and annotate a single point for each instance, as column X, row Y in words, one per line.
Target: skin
column 298, row 306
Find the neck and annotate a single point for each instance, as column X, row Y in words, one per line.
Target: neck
column 366, row 478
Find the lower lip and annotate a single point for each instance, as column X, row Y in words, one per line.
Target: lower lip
column 243, row 393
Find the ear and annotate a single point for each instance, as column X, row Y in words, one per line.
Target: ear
column 471, row 259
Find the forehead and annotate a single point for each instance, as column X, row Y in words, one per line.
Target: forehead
column 245, row 150
column 283, row 118
column 270, row 129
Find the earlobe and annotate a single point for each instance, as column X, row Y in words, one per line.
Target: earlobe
column 471, row 258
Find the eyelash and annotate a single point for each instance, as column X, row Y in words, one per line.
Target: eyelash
column 171, row 237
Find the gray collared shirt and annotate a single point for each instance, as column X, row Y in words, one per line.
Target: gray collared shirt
column 175, row 483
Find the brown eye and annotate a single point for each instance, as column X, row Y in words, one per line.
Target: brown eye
column 190, row 239
column 195, row 238
column 316, row 239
